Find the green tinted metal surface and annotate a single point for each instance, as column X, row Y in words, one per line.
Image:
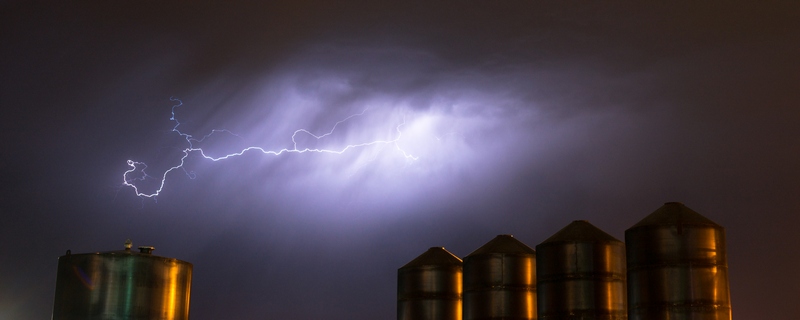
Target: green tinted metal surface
column 122, row 285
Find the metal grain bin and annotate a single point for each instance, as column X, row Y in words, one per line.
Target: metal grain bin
column 429, row 287
column 580, row 275
column 122, row 284
column 500, row 281
column 677, row 267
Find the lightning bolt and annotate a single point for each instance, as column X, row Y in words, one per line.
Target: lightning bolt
column 141, row 167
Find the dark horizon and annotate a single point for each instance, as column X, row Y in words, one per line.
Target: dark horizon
column 523, row 116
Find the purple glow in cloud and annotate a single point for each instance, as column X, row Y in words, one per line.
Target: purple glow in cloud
column 297, row 147
column 421, row 132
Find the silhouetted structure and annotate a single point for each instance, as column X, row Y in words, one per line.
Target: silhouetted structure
column 429, row 287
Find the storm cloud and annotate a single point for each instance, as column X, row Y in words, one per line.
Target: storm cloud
column 523, row 116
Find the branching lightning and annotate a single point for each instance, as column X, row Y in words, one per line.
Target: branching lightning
column 141, row 167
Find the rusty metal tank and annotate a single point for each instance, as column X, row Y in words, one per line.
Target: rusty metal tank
column 500, row 281
column 429, row 287
column 125, row 284
column 580, row 275
column 677, row 267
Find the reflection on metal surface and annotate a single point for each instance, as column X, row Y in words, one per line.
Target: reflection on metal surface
column 429, row 287
column 122, row 285
column 677, row 267
column 500, row 281
column 580, row 274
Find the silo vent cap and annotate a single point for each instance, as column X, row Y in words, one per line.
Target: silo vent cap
column 146, row 249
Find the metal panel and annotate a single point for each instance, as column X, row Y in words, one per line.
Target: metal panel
column 500, row 281
column 580, row 275
column 122, row 285
column 677, row 267
column 429, row 287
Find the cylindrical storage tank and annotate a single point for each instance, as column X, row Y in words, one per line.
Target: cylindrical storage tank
column 429, row 287
column 125, row 284
column 677, row 267
column 580, row 275
column 500, row 281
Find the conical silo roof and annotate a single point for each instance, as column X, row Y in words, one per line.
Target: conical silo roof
column 674, row 213
column 580, row 231
column 435, row 256
column 504, row 243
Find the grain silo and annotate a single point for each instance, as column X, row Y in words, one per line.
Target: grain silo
column 500, row 281
column 580, row 275
column 677, row 267
column 429, row 287
column 124, row 284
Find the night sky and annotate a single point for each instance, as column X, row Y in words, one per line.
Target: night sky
column 523, row 116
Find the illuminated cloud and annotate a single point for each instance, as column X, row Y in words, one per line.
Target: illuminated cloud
column 417, row 129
